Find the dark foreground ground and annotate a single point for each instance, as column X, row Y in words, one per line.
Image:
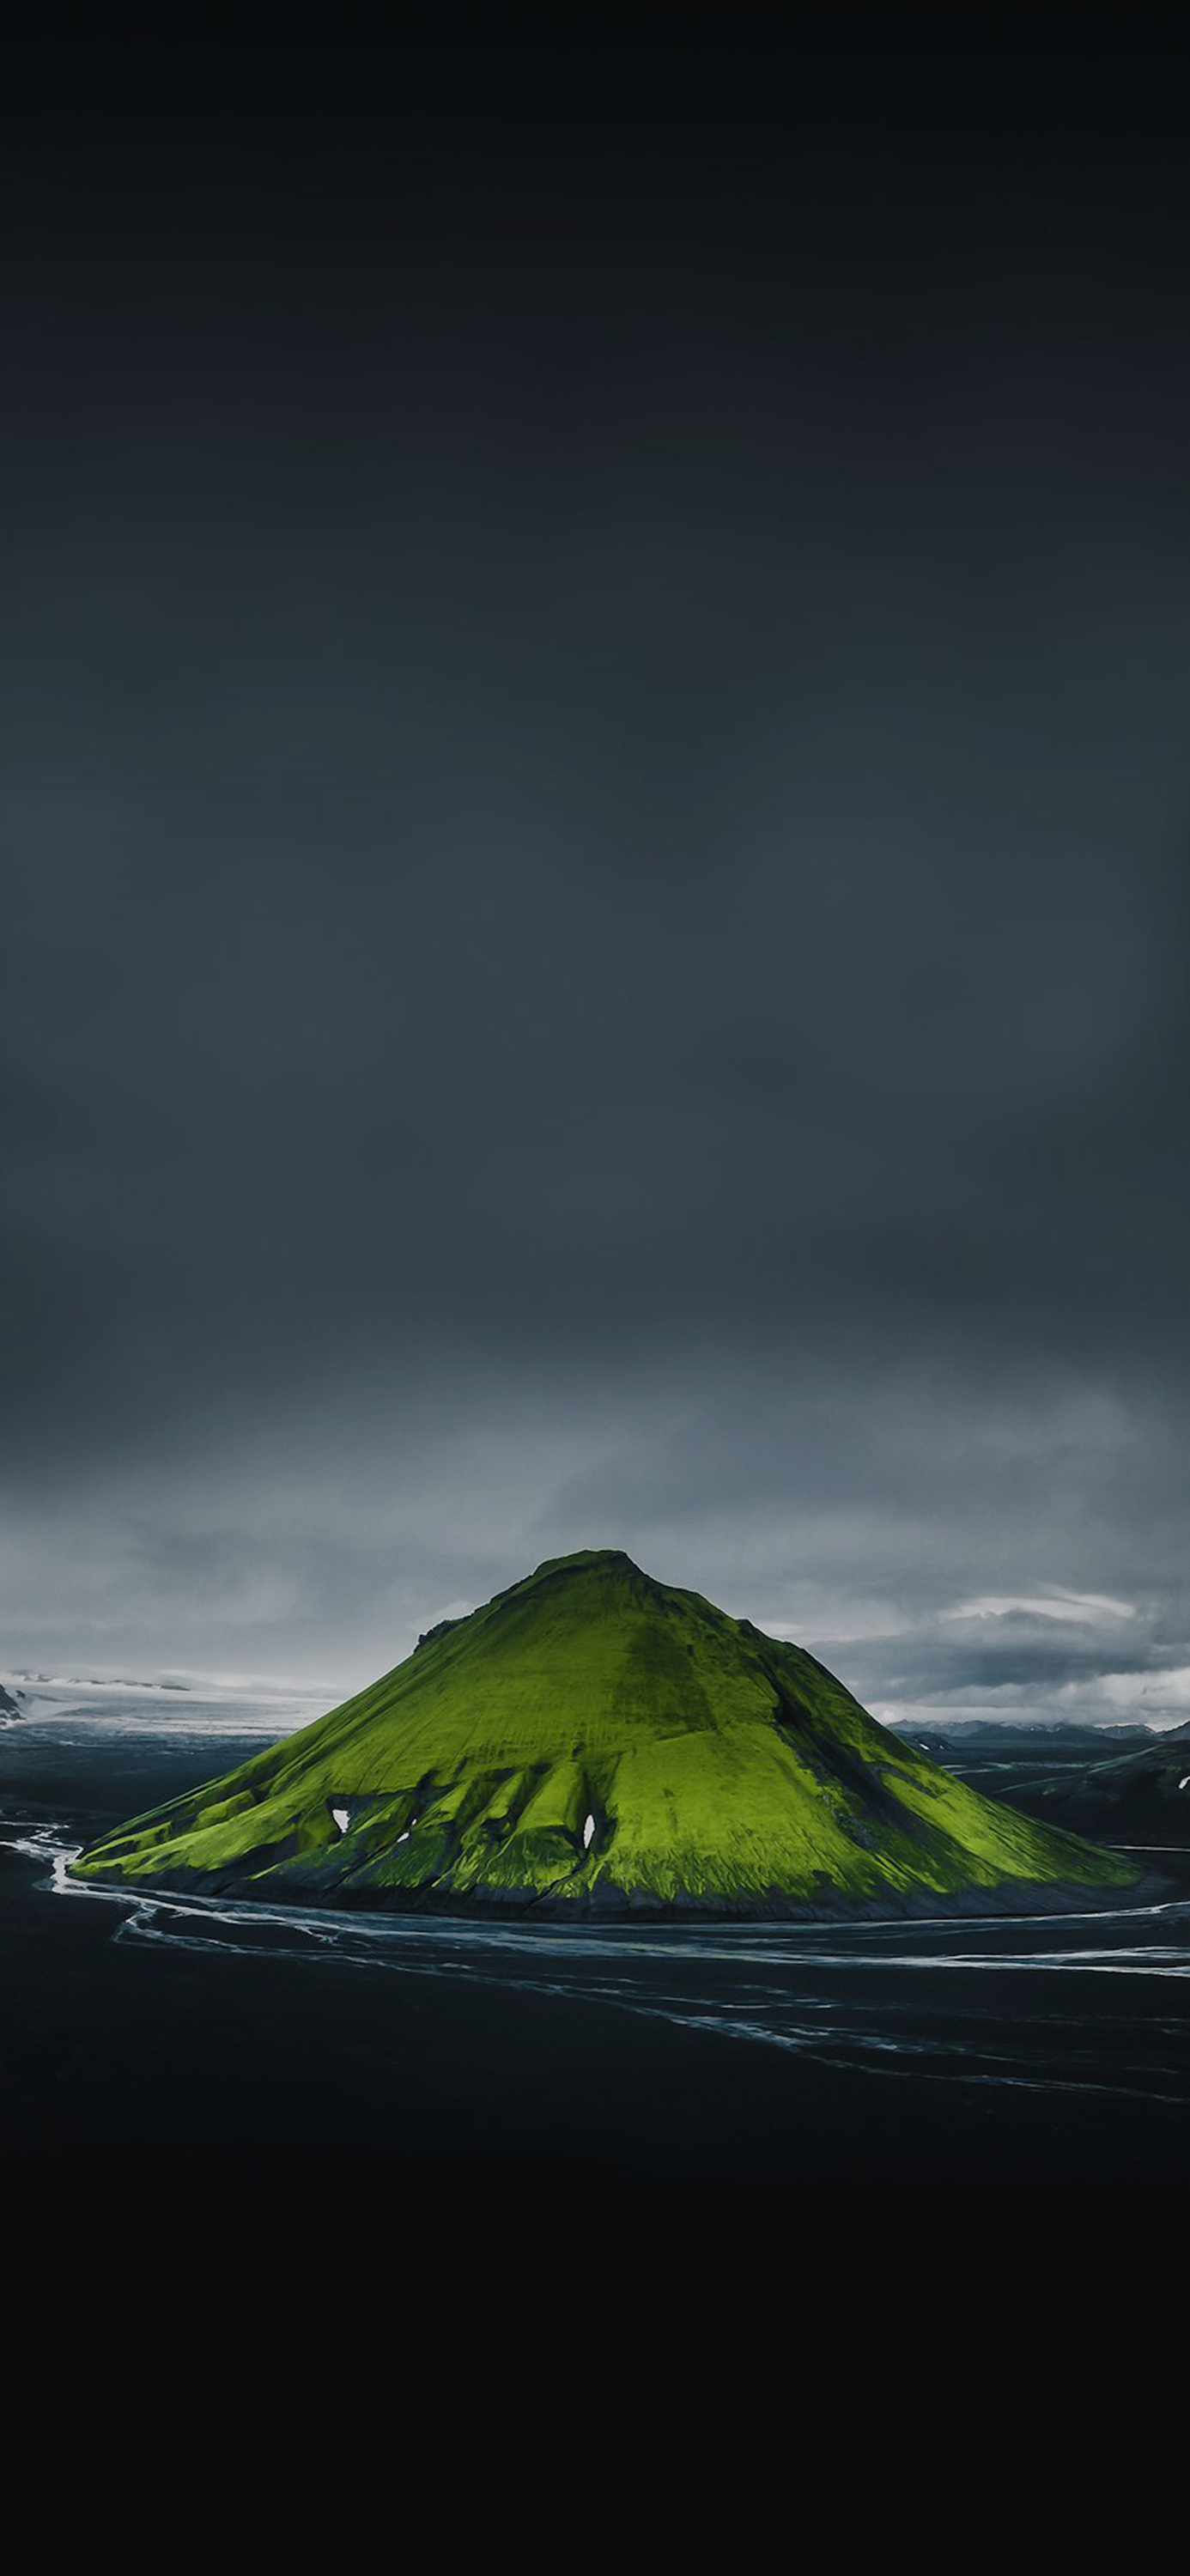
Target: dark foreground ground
column 271, row 2129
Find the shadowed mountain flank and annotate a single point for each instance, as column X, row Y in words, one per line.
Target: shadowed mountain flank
column 1140, row 1795
column 593, row 1740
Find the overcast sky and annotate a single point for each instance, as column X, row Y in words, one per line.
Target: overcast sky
column 596, row 789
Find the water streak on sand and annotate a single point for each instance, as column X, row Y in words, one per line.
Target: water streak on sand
column 874, row 1996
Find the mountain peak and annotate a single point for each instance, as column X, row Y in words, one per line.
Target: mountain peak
column 587, row 1560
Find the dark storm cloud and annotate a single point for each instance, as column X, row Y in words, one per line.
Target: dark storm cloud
column 597, row 807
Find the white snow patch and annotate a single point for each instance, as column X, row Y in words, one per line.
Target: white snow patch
column 342, row 1817
column 588, row 1833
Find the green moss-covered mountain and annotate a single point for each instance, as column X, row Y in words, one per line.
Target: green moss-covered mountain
column 594, row 1739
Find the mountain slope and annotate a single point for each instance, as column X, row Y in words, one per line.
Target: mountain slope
column 591, row 1738
column 1142, row 1796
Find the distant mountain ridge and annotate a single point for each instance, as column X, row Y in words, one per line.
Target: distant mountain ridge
column 1139, row 1796
column 1011, row 1733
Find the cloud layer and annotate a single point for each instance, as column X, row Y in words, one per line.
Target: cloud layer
column 596, row 781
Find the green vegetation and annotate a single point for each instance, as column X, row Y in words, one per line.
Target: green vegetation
column 593, row 1739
